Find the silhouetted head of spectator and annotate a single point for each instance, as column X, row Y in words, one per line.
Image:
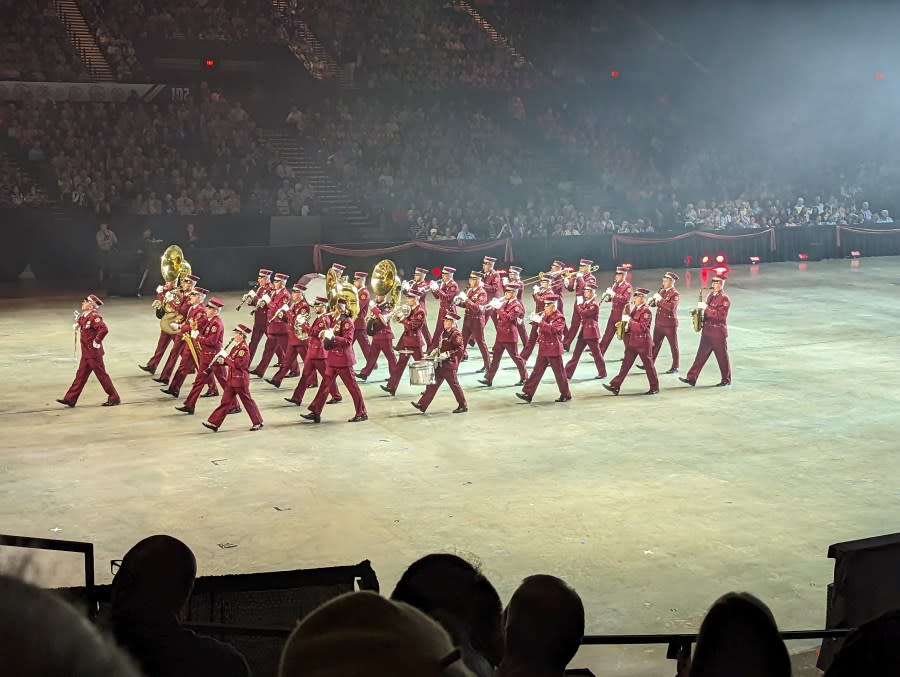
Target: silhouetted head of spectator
column 40, row 634
column 870, row 650
column 739, row 638
column 543, row 627
column 361, row 633
column 457, row 594
column 154, row 580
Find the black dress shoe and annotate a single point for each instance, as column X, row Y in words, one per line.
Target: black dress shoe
column 315, row 418
column 236, row 410
column 484, row 381
column 652, row 392
column 162, row 380
column 111, row 403
column 722, row 384
column 207, row 424
column 673, row 370
column 687, row 380
column 522, row 382
column 563, row 398
column 186, row 410
column 641, row 366
column 66, row 402
column 292, row 401
column 482, row 370
column 357, row 419
column 335, row 400
column 256, row 374
column 523, row 396
column 603, row 375
column 387, row 390
column 208, row 394
column 361, row 378
column 168, row 392
column 258, row 426
column 460, row 410
column 418, row 406
column 144, row 367
column 612, row 389
column 272, row 382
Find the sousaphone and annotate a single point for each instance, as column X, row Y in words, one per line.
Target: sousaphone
column 338, row 287
column 174, row 268
column 385, row 281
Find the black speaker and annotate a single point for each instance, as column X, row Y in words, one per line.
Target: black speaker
column 865, row 585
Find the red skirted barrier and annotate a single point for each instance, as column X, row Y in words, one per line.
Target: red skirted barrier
column 630, row 239
column 319, row 249
column 862, row 231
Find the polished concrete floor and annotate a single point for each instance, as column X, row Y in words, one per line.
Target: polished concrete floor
column 650, row 506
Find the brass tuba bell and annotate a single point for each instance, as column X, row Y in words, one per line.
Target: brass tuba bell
column 173, row 268
column 385, row 281
column 338, row 287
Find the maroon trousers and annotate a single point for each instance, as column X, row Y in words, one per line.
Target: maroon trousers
column 609, row 332
column 630, row 356
column 512, row 348
column 172, row 361
column 573, row 328
column 276, row 344
column 259, row 329
column 161, row 345
column 86, row 367
column 360, row 337
column 438, row 329
column 523, row 336
column 310, row 369
column 671, row 334
column 380, row 346
column 594, row 346
column 402, row 361
column 474, row 329
column 289, row 363
column 709, row 345
column 441, row 374
column 530, row 343
column 555, row 363
column 425, row 333
column 229, row 401
column 329, row 383
column 185, row 367
column 205, row 379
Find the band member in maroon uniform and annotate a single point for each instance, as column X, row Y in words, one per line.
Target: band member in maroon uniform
column 296, row 344
column 448, row 355
column 91, row 331
column 620, row 294
column 638, row 343
column 551, row 329
column 577, row 283
column 558, row 282
column 540, row 292
column 359, row 322
column 237, row 382
column 278, row 303
column 588, row 312
column 209, row 342
column 411, row 341
column 444, row 291
column 474, row 300
column 382, row 338
column 255, row 298
column 666, row 325
column 510, row 313
column 714, row 335
column 194, row 321
column 420, row 286
column 339, row 361
column 168, row 292
column 492, row 281
column 181, row 306
column 515, row 280
column 314, row 362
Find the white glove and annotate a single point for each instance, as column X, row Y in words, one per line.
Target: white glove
column 328, row 333
column 504, row 281
column 195, row 333
column 609, row 291
column 250, row 294
column 404, row 286
column 656, row 297
column 626, row 318
column 222, row 354
column 443, row 356
column 175, row 325
column 169, row 296
column 579, row 275
column 95, row 344
column 159, row 289
column 75, row 326
column 701, row 305
column 536, row 318
column 461, row 297
column 536, row 288
column 266, row 298
column 579, row 300
column 496, row 303
column 76, row 314
column 433, row 285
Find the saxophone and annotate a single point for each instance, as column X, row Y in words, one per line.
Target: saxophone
column 697, row 314
column 621, row 325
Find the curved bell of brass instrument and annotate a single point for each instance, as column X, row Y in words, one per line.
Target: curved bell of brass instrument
column 165, row 322
column 171, row 262
column 385, row 281
column 697, row 315
column 184, row 271
column 620, row 330
column 338, row 288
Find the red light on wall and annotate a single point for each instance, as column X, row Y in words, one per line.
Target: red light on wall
column 436, row 272
column 614, row 74
column 688, row 260
column 720, row 258
column 879, row 75
column 803, row 256
column 209, row 63
column 704, row 259
column 754, row 260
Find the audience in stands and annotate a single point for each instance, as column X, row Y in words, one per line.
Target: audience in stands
column 34, row 44
column 871, row 649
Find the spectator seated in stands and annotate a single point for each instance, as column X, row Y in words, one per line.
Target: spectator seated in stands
column 34, row 44
column 149, row 591
column 361, row 633
column 543, row 626
column 41, row 635
column 870, row 650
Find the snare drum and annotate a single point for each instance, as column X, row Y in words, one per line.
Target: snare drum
column 421, row 373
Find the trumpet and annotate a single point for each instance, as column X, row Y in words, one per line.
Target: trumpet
column 249, row 295
column 534, row 279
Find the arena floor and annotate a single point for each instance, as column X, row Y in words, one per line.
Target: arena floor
column 650, row 506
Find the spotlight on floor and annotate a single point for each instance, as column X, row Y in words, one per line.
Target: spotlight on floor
column 855, row 254
column 755, row 260
column 688, row 260
column 704, row 259
column 803, row 256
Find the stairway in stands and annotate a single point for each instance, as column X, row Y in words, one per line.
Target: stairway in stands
column 82, row 39
column 496, row 36
column 357, row 226
column 311, row 44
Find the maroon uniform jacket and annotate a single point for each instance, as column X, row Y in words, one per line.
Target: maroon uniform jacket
column 577, row 284
column 551, row 330
column 382, row 323
column 715, row 317
column 475, row 299
column 277, row 318
column 421, row 290
column 667, row 308
column 452, row 344
column 359, row 324
column 341, row 354
column 238, row 363
column 198, row 315
column 493, row 284
column 638, row 335
column 92, row 329
column 211, row 336
column 508, row 317
column 539, row 299
column 622, row 297
column 412, row 338
column 257, row 300
column 299, row 308
column 316, row 350
column 589, row 313
column 445, row 293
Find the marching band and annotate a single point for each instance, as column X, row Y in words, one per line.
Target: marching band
column 323, row 335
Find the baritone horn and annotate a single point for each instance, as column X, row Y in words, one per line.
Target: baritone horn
column 174, row 268
column 385, row 281
column 337, row 288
